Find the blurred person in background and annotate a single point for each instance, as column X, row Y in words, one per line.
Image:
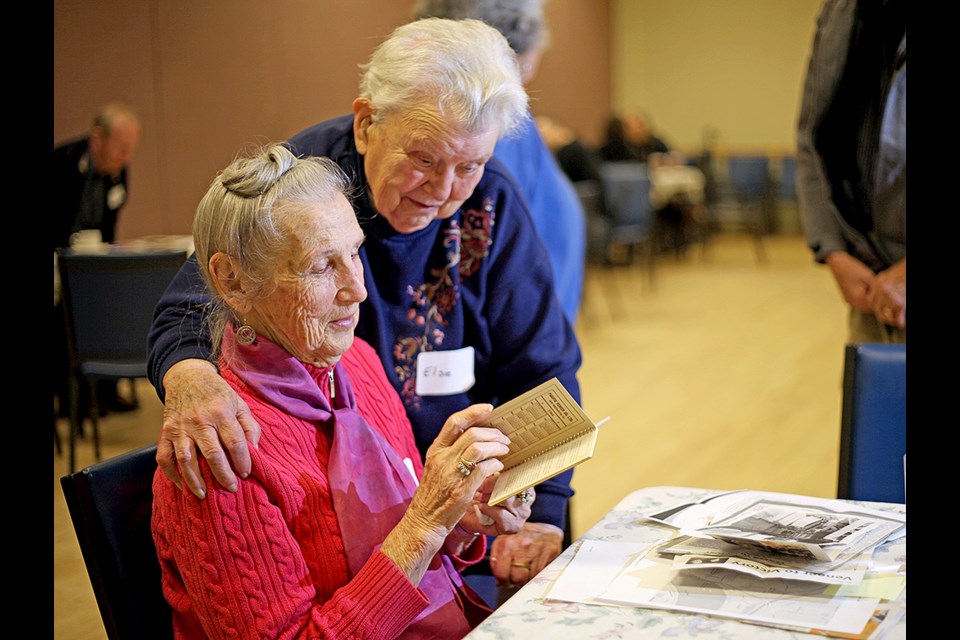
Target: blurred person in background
column 90, row 175
column 574, row 158
column 629, row 137
column 852, row 161
column 640, row 135
column 616, row 146
column 90, row 181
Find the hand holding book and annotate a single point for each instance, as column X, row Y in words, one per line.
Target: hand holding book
column 549, row 433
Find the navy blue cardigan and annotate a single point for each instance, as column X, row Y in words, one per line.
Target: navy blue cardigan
column 480, row 278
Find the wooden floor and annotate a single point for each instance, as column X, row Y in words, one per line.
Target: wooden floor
column 725, row 375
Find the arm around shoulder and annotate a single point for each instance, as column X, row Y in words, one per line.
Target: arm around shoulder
column 177, row 332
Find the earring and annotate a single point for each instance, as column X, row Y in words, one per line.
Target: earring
column 246, row 335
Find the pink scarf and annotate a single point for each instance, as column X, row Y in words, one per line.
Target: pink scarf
column 370, row 485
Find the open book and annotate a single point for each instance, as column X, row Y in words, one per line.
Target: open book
column 549, row 433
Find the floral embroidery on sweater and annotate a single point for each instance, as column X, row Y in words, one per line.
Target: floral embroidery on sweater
column 431, row 302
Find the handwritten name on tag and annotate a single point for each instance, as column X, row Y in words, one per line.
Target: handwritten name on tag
column 444, row 373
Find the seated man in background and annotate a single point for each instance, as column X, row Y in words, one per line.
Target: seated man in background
column 641, row 137
column 90, row 175
column 578, row 162
column 89, row 180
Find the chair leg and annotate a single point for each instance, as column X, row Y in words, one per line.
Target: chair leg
column 649, row 253
column 56, row 436
column 95, row 418
column 133, row 393
column 760, row 248
column 74, row 385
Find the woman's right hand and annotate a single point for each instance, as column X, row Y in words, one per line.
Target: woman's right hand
column 201, row 412
column 445, row 493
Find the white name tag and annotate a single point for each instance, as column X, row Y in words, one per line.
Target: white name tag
column 116, row 196
column 444, row 373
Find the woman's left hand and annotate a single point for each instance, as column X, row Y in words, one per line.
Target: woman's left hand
column 507, row 517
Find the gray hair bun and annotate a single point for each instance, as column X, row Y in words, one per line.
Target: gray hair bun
column 252, row 177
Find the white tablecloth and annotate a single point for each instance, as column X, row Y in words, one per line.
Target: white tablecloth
column 527, row 615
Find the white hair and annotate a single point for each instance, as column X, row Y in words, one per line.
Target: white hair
column 465, row 69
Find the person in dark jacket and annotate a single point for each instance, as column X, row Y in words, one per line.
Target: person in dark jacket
column 90, row 175
column 852, row 161
column 89, row 190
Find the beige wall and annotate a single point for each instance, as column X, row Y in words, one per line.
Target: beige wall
column 735, row 65
column 214, row 76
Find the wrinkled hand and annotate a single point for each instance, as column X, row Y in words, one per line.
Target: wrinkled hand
column 537, row 544
column 888, row 295
column 202, row 412
column 445, row 493
column 505, row 518
column 853, row 278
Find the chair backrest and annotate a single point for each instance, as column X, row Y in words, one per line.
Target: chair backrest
column 626, row 188
column 787, row 185
column 590, row 194
column 873, row 424
column 749, row 175
column 110, row 504
column 110, row 301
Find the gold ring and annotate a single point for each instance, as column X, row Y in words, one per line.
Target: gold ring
column 525, row 496
column 465, row 467
column 521, row 565
column 888, row 311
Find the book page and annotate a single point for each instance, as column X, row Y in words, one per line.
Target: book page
column 538, row 420
column 544, row 466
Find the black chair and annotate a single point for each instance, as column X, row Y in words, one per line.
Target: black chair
column 873, row 424
column 749, row 179
column 110, row 504
column 108, row 303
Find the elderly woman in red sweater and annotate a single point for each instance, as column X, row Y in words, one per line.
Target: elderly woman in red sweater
column 339, row 531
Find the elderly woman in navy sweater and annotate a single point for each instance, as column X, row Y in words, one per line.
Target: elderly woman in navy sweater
column 460, row 301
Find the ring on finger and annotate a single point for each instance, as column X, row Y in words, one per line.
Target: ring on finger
column 465, row 467
column 525, row 496
column 521, row 565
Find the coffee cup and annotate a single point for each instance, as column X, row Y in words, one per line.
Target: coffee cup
column 86, row 239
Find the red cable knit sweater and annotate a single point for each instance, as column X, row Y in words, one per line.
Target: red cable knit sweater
column 268, row 560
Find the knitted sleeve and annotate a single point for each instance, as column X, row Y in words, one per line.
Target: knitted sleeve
column 233, row 569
